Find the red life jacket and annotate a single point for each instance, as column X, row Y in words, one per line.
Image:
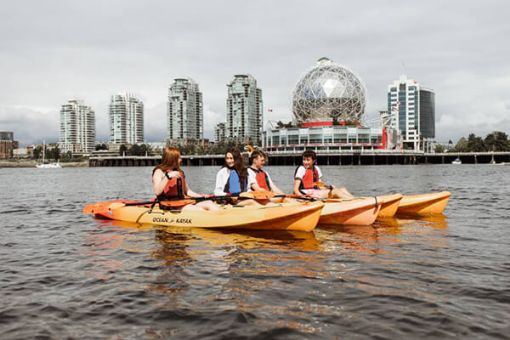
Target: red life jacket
column 174, row 188
column 309, row 179
column 262, row 179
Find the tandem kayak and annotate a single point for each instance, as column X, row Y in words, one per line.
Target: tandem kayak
column 357, row 211
column 298, row 216
column 390, row 204
column 424, row 204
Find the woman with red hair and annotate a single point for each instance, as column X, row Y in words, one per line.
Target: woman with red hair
column 169, row 182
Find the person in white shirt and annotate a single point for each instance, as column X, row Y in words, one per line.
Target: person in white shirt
column 258, row 179
column 232, row 178
column 308, row 180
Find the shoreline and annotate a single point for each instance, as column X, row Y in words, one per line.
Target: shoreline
column 32, row 163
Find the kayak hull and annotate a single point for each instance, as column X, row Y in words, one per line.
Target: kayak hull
column 359, row 211
column 425, row 204
column 296, row 216
column 389, row 206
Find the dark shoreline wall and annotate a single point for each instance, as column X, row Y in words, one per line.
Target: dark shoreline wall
column 323, row 159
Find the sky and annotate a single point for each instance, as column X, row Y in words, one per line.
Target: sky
column 54, row 50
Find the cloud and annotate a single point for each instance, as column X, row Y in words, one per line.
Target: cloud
column 29, row 125
column 57, row 50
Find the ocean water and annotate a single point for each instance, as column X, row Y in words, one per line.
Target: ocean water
column 66, row 275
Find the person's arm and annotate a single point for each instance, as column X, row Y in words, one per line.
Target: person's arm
column 159, row 180
column 256, row 187
column 191, row 193
column 297, row 184
column 187, row 190
column 274, row 188
column 298, row 178
column 221, row 180
column 319, row 172
column 252, row 181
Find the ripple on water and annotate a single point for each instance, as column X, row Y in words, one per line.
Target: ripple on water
column 62, row 272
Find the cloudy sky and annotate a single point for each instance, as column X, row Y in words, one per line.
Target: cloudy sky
column 53, row 50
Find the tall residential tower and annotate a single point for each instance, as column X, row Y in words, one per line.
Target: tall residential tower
column 412, row 113
column 77, row 127
column 244, row 109
column 126, row 119
column 185, row 111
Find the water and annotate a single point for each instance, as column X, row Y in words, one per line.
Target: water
column 66, row 275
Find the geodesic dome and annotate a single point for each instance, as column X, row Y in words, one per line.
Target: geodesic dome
column 328, row 92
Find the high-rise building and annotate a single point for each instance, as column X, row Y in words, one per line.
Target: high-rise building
column 244, row 109
column 185, row 110
column 77, row 127
column 220, row 132
column 412, row 113
column 126, row 119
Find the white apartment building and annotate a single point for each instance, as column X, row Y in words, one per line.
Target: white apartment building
column 126, row 119
column 244, row 109
column 77, row 127
column 185, row 115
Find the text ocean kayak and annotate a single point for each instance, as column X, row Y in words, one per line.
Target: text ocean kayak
column 424, row 204
column 299, row 216
column 390, row 204
column 358, row 211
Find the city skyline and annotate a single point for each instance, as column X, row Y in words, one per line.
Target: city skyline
column 44, row 65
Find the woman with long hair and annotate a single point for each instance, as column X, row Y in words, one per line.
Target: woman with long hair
column 232, row 179
column 169, row 181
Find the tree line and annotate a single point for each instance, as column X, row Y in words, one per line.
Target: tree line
column 494, row 141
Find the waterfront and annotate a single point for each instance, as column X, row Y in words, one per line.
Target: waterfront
column 344, row 157
column 64, row 274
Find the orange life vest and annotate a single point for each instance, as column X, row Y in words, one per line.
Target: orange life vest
column 174, row 188
column 309, row 179
column 262, row 179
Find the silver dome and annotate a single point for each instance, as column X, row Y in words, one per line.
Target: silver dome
column 329, row 92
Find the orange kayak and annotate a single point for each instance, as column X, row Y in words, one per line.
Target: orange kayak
column 299, row 216
column 390, row 204
column 357, row 211
column 424, row 204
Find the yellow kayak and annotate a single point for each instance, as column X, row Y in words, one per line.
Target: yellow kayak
column 390, row 204
column 299, row 216
column 424, row 204
column 357, row 211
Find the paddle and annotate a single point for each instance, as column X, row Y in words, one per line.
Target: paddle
column 266, row 195
column 321, row 184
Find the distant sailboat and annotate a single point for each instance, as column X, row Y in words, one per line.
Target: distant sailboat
column 48, row 165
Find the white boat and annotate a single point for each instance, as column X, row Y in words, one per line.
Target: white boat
column 457, row 161
column 47, row 165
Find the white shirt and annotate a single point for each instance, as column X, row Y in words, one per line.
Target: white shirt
column 301, row 171
column 221, row 180
column 252, row 179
